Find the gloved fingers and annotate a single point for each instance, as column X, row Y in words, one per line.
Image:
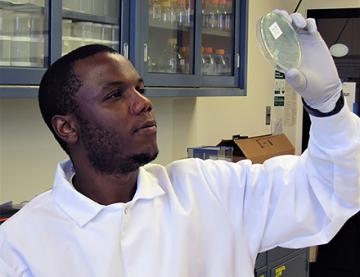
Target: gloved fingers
column 296, row 79
column 311, row 25
column 301, row 23
column 284, row 14
column 298, row 21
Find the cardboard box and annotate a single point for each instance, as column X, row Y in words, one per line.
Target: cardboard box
column 258, row 149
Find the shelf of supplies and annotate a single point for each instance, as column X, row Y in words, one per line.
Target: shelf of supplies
column 89, row 17
column 216, row 33
column 169, row 26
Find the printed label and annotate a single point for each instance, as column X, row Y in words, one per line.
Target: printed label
column 275, row 30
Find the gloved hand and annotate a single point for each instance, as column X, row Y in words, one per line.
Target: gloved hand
column 316, row 80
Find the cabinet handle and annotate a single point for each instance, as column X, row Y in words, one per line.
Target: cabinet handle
column 237, row 60
column 145, row 52
column 126, row 50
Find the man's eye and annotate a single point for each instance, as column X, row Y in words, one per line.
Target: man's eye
column 141, row 90
column 115, row 94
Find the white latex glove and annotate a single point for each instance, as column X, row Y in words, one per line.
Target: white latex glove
column 316, row 80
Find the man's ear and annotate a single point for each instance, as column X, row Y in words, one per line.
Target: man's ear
column 65, row 127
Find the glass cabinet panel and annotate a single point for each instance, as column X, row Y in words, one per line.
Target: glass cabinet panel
column 93, row 7
column 170, row 38
column 23, row 33
column 217, row 37
column 90, row 21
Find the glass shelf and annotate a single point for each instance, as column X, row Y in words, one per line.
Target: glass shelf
column 169, row 26
column 217, row 33
column 67, row 14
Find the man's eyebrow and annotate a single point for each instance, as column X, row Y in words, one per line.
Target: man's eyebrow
column 113, row 84
column 120, row 83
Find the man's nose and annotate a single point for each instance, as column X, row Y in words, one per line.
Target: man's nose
column 139, row 103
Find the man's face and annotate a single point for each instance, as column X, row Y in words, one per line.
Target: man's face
column 116, row 122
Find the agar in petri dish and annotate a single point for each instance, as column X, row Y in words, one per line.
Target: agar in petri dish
column 278, row 41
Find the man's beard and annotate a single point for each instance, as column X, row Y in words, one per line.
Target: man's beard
column 105, row 151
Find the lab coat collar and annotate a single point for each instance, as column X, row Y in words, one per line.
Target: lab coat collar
column 81, row 208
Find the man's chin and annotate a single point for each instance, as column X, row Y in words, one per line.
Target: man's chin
column 144, row 158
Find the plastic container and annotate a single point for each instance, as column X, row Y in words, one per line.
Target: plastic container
column 106, row 33
column 66, row 27
column 6, row 33
column 5, row 51
column 97, row 29
column 278, row 41
column 22, row 24
column 115, row 33
column 82, row 29
column 66, row 47
column 20, row 42
column 37, row 40
column 20, row 51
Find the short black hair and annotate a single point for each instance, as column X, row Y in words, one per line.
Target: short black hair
column 59, row 85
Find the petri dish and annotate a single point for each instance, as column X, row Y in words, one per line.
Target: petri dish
column 278, row 41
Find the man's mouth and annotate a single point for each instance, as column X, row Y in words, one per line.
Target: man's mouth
column 149, row 127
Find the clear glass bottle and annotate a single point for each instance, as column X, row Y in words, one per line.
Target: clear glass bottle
column 183, row 13
column 212, row 14
column 184, row 65
column 156, row 13
column 168, row 60
column 168, row 8
column 208, row 66
column 221, row 15
column 228, row 15
column 204, row 15
column 220, row 62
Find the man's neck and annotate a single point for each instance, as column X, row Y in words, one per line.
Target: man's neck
column 106, row 189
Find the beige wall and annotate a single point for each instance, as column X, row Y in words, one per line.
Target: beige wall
column 28, row 153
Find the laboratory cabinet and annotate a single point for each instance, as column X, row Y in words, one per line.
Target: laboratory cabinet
column 282, row 262
column 35, row 33
column 180, row 47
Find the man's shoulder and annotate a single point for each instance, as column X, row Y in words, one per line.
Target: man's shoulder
column 179, row 166
column 26, row 215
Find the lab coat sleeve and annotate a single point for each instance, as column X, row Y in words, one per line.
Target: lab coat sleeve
column 6, row 271
column 11, row 264
column 295, row 201
column 323, row 190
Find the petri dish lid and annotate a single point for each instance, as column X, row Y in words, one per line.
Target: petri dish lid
column 278, row 41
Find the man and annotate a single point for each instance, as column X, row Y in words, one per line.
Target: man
column 111, row 214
